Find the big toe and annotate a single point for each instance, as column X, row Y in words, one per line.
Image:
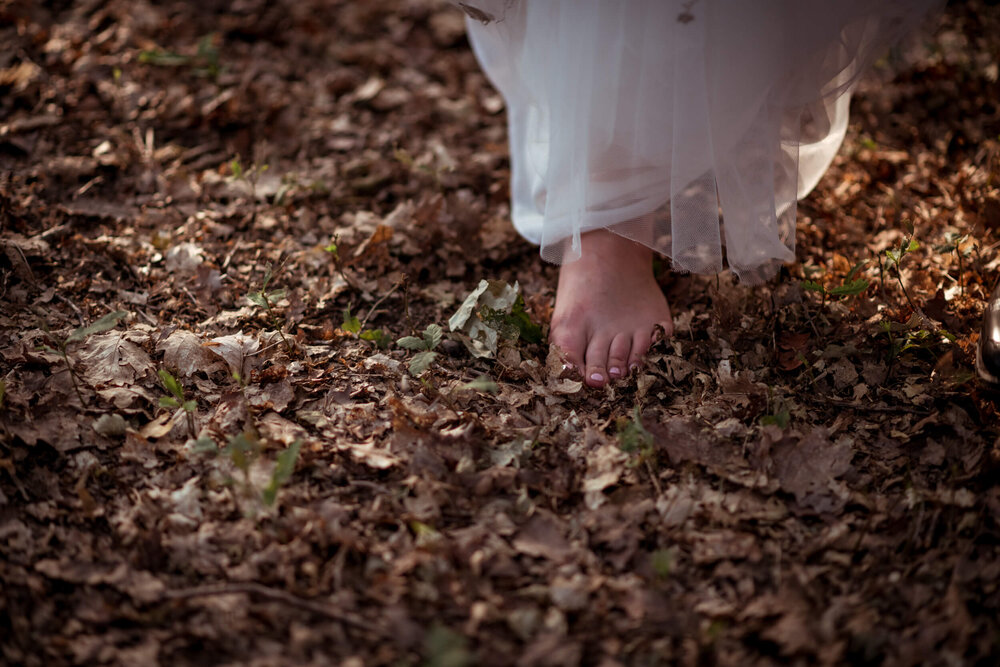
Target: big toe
column 596, row 373
column 572, row 345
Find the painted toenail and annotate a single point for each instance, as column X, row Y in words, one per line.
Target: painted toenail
column 596, row 377
column 614, row 371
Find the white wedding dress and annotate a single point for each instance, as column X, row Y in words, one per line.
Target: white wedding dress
column 649, row 117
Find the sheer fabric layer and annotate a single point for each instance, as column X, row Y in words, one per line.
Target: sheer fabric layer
column 646, row 117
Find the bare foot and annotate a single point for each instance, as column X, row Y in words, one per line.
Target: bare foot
column 607, row 306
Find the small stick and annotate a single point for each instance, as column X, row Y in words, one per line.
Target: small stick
column 378, row 303
column 259, row 590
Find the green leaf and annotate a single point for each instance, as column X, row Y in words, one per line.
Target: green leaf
column 276, row 295
column 169, row 402
column 403, row 157
column 205, row 445
column 332, row 249
column 257, row 298
column 109, row 321
column 241, row 450
column 446, row 648
column 268, row 275
column 283, row 470
column 421, row 361
column 376, row 336
column 412, row 343
column 854, row 270
column 190, row 406
column 851, row 288
column 779, row 419
column 163, row 58
column 432, row 336
column 351, row 323
column 529, row 331
column 813, row 286
column 664, row 561
column 171, row 384
column 913, row 245
column 236, row 168
column 892, row 256
column 482, row 383
column 633, row 436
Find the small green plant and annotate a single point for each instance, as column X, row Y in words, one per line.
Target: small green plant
column 424, row 348
column 911, row 337
column 633, row 437
column 338, row 264
column 376, row 337
column 283, row 469
column 205, row 62
column 106, row 323
column 779, row 418
column 435, row 171
column 894, row 258
column 266, row 300
column 482, row 383
column 251, row 176
column 446, row 648
column 851, row 285
column 954, row 242
column 919, row 332
column 244, row 450
column 664, row 562
column 176, row 399
column 516, row 324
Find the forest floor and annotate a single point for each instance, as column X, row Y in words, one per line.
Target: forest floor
column 794, row 477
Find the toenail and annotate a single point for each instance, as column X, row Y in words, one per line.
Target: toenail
column 596, row 377
column 614, row 371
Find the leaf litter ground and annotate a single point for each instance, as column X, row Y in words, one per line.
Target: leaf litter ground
column 243, row 469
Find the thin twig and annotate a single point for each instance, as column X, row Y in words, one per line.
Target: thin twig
column 251, row 588
column 378, row 303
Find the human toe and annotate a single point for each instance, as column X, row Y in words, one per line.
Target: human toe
column 618, row 356
column 572, row 346
column 641, row 341
column 596, row 373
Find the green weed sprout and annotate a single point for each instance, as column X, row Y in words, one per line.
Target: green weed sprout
column 851, row 285
column 953, row 242
column 283, row 470
column 516, row 324
column 633, row 437
column 106, row 323
column 352, row 324
column 251, row 176
column 482, row 383
column 205, row 62
column 176, row 399
column 424, row 347
column 264, row 299
column 334, row 251
column 446, row 648
column 243, row 451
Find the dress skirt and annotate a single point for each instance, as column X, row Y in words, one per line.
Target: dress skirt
column 690, row 126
